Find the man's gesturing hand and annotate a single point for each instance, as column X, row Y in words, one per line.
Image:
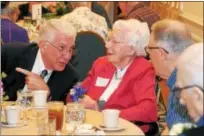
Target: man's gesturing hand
column 33, row 80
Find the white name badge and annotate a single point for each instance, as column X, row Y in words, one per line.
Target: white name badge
column 101, row 82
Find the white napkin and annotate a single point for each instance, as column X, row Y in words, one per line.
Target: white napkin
column 87, row 129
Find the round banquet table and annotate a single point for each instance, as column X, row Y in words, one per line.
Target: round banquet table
column 92, row 117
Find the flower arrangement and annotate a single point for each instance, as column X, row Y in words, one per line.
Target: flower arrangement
column 56, row 10
column 181, row 128
column 77, row 93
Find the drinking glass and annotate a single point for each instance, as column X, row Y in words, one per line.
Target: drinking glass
column 42, row 121
column 52, row 125
column 75, row 113
column 56, row 109
column 24, row 100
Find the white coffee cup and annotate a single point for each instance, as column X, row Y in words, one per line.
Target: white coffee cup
column 40, row 98
column 111, row 118
column 12, row 114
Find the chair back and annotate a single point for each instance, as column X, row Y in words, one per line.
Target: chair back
column 89, row 46
column 169, row 9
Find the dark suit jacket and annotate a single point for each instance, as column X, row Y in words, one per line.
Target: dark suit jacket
column 24, row 56
column 199, row 131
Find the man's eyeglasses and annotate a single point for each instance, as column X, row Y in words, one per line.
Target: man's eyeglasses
column 177, row 90
column 62, row 49
column 153, row 48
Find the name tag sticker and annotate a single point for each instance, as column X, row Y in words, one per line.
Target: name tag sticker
column 101, row 82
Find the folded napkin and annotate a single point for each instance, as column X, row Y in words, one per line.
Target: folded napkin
column 87, row 129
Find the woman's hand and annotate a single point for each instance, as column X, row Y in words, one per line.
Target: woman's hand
column 89, row 103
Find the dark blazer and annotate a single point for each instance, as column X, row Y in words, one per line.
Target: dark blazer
column 24, row 56
column 199, row 131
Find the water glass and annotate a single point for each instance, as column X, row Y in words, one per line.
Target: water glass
column 42, row 121
column 75, row 113
column 25, row 99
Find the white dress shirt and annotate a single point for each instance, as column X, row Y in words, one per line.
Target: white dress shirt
column 38, row 67
column 114, row 83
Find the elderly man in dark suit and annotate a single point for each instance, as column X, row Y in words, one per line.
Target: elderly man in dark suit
column 42, row 67
column 11, row 32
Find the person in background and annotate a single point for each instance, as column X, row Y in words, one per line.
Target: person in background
column 139, row 11
column 124, row 79
column 189, row 86
column 169, row 38
column 10, row 31
column 43, row 66
column 83, row 19
column 95, row 7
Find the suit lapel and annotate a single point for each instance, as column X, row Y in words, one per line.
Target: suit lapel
column 16, row 80
column 26, row 63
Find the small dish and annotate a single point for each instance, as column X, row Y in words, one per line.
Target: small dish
column 20, row 124
column 119, row 128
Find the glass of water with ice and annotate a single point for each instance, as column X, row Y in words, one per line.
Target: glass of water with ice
column 75, row 113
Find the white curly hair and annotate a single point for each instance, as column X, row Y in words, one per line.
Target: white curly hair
column 58, row 25
column 134, row 33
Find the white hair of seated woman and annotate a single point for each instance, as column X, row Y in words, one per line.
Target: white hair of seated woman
column 134, row 33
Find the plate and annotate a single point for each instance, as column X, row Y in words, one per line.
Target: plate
column 119, row 128
column 20, row 124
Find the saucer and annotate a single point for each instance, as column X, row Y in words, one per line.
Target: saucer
column 119, row 128
column 20, row 124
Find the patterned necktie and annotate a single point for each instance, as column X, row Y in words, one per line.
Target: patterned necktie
column 43, row 73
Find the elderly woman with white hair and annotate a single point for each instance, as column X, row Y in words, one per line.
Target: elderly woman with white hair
column 124, row 79
column 189, row 86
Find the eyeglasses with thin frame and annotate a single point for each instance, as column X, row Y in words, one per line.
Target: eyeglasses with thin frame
column 62, row 49
column 177, row 90
column 153, row 48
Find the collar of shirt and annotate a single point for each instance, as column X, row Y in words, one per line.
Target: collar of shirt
column 39, row 65
column 121, row 72
column 172, row 79
column 200, row 122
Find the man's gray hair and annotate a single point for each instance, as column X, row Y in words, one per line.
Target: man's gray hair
column 134, row 33
column 56, row 25
column 9, row 9
column 172, row 35
column 190, row 65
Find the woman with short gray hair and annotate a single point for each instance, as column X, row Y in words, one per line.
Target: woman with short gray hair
column 124, row 79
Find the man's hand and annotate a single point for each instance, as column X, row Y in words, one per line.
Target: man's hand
column 89, row 103
column 33, row 80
